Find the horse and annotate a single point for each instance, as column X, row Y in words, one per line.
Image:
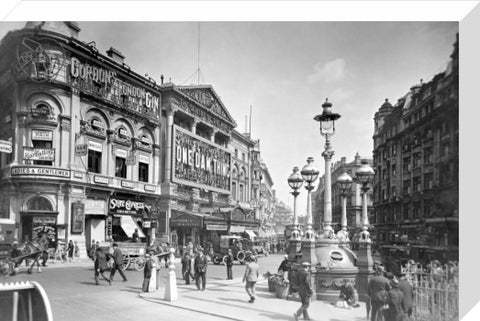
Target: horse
column 30, row 250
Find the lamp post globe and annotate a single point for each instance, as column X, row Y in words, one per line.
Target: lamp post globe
column 365, row 176
column 309, row 174
column 344, row 183
column 295, row 181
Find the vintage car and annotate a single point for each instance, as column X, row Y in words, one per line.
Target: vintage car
column 239, row 246
column 258, row 247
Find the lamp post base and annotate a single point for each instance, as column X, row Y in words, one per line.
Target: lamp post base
column 294, row 249
column 309, row 252
column 365, row 268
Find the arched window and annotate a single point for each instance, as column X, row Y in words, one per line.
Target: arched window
column 39, row 203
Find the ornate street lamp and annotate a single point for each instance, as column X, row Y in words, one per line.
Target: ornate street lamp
column 327, row 130
column 344, row 183
column 309, row 174
column 365, row 175
column 295, row 181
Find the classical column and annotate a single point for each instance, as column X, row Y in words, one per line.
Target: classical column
column 168, row 158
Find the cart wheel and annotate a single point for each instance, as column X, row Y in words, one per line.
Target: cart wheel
column 217, row 259
column 139, row 263
column 126, row 261
column 241, row 257
column 224, row 260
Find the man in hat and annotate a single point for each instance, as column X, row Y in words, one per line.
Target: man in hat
column 377, row 291
column 200, row 267
column 251, row 277
column 147, row 272
column 186, row 265
column 156, row 266
column 229, row 264
column 407, row 291
column 396, row 303
column 283, row 266
column 117, row 263
column 304, row 291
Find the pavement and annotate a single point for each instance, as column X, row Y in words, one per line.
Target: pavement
column 227, row 299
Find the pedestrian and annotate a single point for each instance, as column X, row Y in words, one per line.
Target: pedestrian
column 135, row 238
column 283, row 267
column 147, row 272
column 229, row 264
column 43, row 242
column 70, row 249
column 251, row 277
column 156, row 266
column 201, row 264
column 396, row 303
column 76, row 250
column 348, row 294
column 92, row 250
column 407, row 291
column 186, row 266
column 304, row 291
column 377, row 291
column 100, row 264
column 117, row 263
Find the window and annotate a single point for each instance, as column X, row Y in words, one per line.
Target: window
column 406, row 211
column 394, row 191
column 120, row 167
column 234, row 190
column 406, row 187
column 243, row 157
column 394, row 170
column 444, row 149
column 236, row 153
column 428, row 181
column 42, row 144
column 241, row 198
column 94, row 161
column 406, row 164
column 142, row 172
column 417, row 157
column 428, row 156
column 417, row 184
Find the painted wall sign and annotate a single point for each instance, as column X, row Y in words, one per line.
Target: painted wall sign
column 78, row 217
column 40, row 171
column 98, row 124
column 46, row 154
column 81, row 150
column 5, row 146
column 95, row 146
column 125, row 206
column 131, row 160
column 106, row 84
column 95, row 207
column 46, row 135
column 150, row 188
column 187, row 220
column 127, row 184
column 200, row 163
column 121, row 152
column 144, row 159
column 100, row 179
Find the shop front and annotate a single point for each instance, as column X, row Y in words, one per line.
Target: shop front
column 38, row 219
column 95, row 220
column 125, row 215
column 187, row 227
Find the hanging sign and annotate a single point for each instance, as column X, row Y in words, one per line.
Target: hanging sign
column 44, row 154
column 5, row 146
column 78, row 215
column 45, row 135
column 81, row 150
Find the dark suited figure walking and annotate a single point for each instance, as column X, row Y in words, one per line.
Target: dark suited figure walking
column 229, row 263
column 186, row 266
column 407, row 291
column 147, row 272
column 117, row 263
column 201, row 264
column 100, row 264
column 304, row 290
column 377, row 290
column 396, row 304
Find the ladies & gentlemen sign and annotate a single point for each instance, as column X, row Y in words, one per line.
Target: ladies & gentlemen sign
column 197, row 162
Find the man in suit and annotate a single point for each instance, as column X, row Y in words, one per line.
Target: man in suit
column 396, row 304
column 100, row 264
column 251, row 277
column 147, row 272
column 377, row 290
column 229, row 264
column 407, row 291
column 200, row 267
column 117, row 263
column 304, row 291
column 186, row 266
column 44, row 242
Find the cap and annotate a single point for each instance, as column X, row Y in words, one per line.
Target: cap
column 285, row 256
column 394, row 282
column 306, row 264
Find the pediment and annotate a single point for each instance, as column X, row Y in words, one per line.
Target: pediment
column 208, row 99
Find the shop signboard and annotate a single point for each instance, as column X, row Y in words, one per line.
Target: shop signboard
column 131, row 160
column 186, row 220
column 5, row 146
column 125, row 206
column 44, row 135
column 78, row 217
column 217, row 227
column 44, row 154
column 200, row 163
column 40, row 171
column 95, row 207
column 81, row 150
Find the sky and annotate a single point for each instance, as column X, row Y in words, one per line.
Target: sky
column 285, row 71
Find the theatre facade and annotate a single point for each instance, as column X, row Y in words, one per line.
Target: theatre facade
column 81, row 130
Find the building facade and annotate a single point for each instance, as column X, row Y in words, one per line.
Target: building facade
column 416, row 164
column 84, row 133
column 91, row 150
column 354, row 199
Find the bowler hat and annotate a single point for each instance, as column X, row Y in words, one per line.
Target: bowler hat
column 306, row 264
column 114, row 244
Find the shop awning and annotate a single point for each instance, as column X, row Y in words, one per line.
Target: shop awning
column 251, row 233
column 129, row 225
column 237, row 229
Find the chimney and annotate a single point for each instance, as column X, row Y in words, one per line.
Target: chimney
column 161, row 79
column 116, row 55
column 344, row 160
column 66, row 28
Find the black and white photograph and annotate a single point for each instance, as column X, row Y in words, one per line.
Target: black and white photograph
column 229, row 170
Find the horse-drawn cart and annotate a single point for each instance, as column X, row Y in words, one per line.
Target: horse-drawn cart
column 134, row 255
column 27, row 251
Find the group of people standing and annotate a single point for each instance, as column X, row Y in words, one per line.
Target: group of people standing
column 390, row 297
column 194, row 267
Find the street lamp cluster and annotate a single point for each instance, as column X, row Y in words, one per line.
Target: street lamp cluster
column 309, row 175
